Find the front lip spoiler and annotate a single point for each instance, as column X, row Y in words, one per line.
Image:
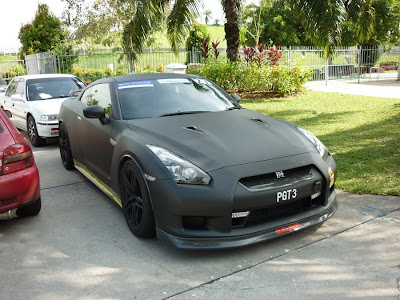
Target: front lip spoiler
column 244, row 240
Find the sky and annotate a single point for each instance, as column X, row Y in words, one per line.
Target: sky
column 15, row 13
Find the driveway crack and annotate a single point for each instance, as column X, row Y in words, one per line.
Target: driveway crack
column 62, row 185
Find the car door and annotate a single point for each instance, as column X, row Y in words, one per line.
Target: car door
column 95, row 137
column 6, row 101
column 19, row 104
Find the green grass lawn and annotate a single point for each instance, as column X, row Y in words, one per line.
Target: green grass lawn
column 362, row 133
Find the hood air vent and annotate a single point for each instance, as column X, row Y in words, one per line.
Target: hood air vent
column 194, row 129
column 261, row 122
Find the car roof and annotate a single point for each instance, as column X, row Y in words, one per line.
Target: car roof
column 45, row 76
column 151, row 76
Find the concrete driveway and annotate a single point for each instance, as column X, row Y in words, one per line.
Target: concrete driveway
column 79, row 247
column 378, row 88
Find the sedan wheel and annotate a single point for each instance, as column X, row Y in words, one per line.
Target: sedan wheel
column 34, row 137
column 65, row 148
column 136, row 201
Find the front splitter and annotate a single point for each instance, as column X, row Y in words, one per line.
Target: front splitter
column 249, row 239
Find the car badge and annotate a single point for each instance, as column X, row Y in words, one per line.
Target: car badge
column 280, row 174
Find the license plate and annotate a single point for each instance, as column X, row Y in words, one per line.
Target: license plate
column 286, row 195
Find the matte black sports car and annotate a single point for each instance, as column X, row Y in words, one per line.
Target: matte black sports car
column 186, row 161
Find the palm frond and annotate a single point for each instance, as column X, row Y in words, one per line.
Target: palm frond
column 147, row 19
column 322, row 21
column 179, row 20
column 362, row 13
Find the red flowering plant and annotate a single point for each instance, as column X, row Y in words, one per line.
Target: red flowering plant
column 274, row 55
column 215, row 49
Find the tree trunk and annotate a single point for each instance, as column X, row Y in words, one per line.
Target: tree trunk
column 231, row 29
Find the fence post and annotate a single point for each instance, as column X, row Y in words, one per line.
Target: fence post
column 326, row 71
column 193, row 56
column 359, row 63
column 290, row 56
column 398, row 67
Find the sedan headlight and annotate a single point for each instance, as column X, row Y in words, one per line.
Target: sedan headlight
column 317, row 143
column 48, row 117
column 181, row 170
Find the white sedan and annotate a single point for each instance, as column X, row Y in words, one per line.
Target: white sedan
column 34, row 102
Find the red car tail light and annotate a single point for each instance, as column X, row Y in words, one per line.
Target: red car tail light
column 17, row 157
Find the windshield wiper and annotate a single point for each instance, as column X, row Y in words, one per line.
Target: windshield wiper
column 184, row 113
column 233, row 108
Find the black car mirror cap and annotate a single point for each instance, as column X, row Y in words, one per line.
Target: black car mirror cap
column 95, row 112
column 236, row 98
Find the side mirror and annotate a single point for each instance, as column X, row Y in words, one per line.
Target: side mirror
column 17, row 97
column 75, row 93
column 236, row 98
column 8, row 113
column 95, row 112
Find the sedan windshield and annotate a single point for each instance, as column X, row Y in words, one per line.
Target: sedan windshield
column 2, row 82
column 52, row 88
column 168, row 97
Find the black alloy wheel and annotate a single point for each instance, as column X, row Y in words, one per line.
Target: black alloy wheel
column 136, row 204
column 65, row 148
column 34, row 137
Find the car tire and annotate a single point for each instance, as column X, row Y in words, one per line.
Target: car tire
column 65, row 148
column 31, row 209
column 33, row 135
column 135, row 198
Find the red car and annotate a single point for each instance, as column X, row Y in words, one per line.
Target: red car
column 19, row 176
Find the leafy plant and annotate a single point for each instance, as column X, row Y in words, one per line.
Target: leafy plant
column 247, row 76
column 204, row 49
column 274, row 55
column 215, row 49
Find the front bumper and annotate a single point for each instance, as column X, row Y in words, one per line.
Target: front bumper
column 252, row 238
column 47, row 129
column 193, row 216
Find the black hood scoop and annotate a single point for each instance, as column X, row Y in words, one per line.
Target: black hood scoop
column 260, row 121
column 193, row 129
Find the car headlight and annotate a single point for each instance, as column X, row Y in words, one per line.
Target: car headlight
column 317, row 143
column 181, row 170
column 48, row 117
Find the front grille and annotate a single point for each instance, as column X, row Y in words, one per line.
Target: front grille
column 268, row 214
column 271, row 180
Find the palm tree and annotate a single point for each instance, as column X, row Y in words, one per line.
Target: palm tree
column 150, row 14
column 322, row 19
column 207, row 16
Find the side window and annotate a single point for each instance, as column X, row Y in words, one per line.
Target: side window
column 86, row 96
column 11, row 88
column 21, row 88
column 100, row 95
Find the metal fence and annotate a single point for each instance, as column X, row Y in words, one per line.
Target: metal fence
column 347, row 63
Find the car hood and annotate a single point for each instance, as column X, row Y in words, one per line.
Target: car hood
column 215, row 140
column 48, row 107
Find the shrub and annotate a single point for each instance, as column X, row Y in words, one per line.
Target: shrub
column 249, row 77
column 15, row 70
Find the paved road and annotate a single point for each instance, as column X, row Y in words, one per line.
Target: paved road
column 79, row 247
column 381, row 88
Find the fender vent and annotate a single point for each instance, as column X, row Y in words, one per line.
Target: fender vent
column 260, row 121
column 194, row 129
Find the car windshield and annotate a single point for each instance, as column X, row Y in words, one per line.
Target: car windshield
column 51, row 88
column 2, row 82
column 174, row 96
